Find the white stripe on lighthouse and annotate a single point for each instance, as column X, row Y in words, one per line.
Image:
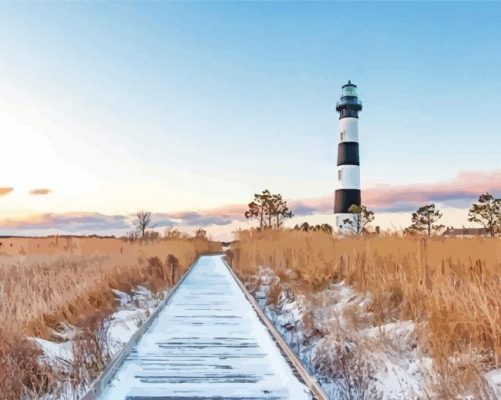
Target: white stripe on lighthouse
column 343, row 226
column 348, row 129
column 348, row 177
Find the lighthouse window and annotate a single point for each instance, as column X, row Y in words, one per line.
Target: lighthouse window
column 339, row 174
column 349, row 91
column 342, row 136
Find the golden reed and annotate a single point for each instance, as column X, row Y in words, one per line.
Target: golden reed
column 451, row 287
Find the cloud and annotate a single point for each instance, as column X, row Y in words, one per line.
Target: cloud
column 458, row 192
column 198, row 219
column 319, row 205
column 39, row 192
column 215, row 216
column 5, row 190
column 160, row 220
column 203, row 218
column 68, row 222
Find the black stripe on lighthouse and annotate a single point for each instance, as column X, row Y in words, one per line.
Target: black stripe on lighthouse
column 347, row 153
column 345, row 198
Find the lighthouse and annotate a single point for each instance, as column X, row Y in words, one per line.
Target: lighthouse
column 348, row 161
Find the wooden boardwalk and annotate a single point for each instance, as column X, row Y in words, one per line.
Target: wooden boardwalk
column 207, row 342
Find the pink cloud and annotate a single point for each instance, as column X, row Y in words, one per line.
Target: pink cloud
column 70, row 222
column 460, row 191
column 41, row 191
column 463, row 189
column 5, row 190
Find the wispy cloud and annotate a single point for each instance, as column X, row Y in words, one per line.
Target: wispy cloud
column 5, row 190
column 40, row 192
column 68, row 222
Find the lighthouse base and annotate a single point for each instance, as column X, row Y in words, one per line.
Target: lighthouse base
column 346, row 224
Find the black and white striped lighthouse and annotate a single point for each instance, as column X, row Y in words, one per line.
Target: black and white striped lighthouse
column 348, row 160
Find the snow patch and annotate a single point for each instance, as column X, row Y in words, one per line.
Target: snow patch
column 335, row 336
column 119, row 327
column 494, row 380
column 55, row 352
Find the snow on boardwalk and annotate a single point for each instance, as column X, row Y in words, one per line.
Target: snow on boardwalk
column 207, row 343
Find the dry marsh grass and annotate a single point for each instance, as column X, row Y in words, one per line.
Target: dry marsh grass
column 46, row 281
column 450, row 286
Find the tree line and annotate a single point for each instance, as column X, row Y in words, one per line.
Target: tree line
column 271, row 211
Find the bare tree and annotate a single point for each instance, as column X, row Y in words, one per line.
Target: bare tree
column 141, row 222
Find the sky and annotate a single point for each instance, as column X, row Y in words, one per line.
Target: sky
column 187, row 109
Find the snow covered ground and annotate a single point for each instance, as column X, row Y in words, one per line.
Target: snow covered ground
column 336, row 338
column 133, row 310
column 331, row 331
column 207, row 342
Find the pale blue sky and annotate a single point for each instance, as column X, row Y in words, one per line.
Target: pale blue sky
column 172, row 106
